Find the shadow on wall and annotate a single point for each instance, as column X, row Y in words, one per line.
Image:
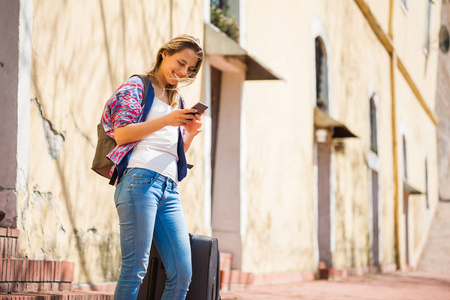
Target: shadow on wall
column 68, row 57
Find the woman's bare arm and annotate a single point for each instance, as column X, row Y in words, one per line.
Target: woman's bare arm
column 134, row 132
column 193, row 128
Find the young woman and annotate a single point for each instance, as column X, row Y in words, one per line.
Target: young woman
column 152, row 148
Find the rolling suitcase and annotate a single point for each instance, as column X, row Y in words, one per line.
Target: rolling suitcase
column 205, row 283
column 152, row 287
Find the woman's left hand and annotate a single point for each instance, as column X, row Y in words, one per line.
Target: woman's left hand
column 194, row 127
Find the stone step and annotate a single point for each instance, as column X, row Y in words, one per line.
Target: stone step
column 225, row 270
column 28, row 270
column 24, row 275
column 61, row 295
column 37, row 279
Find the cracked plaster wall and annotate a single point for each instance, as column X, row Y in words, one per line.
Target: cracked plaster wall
column 55, row 139
column 69, row 212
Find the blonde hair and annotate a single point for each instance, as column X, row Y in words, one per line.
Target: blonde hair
column 176, row 45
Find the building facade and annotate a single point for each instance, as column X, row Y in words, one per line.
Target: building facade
column 443, row 104
column 318, row 152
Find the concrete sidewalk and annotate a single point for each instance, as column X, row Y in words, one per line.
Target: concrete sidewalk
column 430, row 281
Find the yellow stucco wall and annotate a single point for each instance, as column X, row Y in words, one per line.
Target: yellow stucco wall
column 380, row 9
column 82, row 52
column 279, row 142
column 409, row 40
column 420, row 134
column 280, row 178
column 359, row 61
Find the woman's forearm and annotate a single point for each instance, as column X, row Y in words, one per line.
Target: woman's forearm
column 137, row 131
column 187, row 140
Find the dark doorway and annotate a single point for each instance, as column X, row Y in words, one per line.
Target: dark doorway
column 323, row 197
column 406, row 215
column 375, row 219
column 216, row 85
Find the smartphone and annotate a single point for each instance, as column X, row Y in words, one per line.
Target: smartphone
column 200, row 107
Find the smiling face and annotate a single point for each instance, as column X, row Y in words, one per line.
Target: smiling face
column 174, row 68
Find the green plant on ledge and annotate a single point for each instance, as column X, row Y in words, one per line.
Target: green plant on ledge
column 226, row 24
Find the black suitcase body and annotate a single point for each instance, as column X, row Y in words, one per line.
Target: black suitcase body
column 205, row 283
column 154, row 282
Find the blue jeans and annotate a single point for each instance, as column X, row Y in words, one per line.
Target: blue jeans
column 149, row 207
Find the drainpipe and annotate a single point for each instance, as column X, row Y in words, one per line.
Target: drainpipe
column 393, row 59
column 395, row 163
column 387, row 41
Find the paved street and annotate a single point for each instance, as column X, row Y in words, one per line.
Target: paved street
column 407, row 286
column 431, row 280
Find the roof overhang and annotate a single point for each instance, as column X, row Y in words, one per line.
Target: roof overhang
column 323, row 121
column 218, row 43
column 410, row 189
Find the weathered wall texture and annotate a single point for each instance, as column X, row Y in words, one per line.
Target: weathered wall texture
column 409, row 31
column 354, row 69
column 280, row 174
column 82, row 51
column 414, row 123
column 419, row 132
column 443, row 112
column 279, row 142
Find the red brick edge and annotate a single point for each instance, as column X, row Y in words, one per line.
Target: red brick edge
column 9, row 232
column 9, row 242
column 57, row 295
column 23, row 275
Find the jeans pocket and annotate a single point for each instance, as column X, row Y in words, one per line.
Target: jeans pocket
column 141, row 179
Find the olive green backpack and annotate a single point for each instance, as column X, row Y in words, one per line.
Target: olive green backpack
column 105, row 144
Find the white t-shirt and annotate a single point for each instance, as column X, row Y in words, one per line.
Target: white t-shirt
column 158, row 151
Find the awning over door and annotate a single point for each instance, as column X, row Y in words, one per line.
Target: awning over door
column 218, row 43
column 410, row 189
column 323, row 121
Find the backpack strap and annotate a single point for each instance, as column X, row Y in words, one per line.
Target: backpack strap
column 182, row 106
column 181, row 102
column 146, row 82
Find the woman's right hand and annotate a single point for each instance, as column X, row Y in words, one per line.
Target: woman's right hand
column 180, row 117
